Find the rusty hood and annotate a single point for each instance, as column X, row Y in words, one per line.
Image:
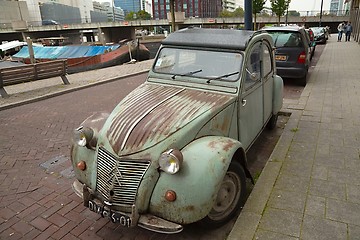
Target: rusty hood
column 151, row 113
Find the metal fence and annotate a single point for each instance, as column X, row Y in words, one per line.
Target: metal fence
column 355, row 21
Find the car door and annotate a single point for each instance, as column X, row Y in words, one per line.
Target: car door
column 268, row 79
column 251, row 115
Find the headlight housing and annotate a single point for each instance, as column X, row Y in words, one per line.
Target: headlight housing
column 82, row 136
column 171, row 161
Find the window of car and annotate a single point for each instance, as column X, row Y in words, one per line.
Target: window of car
column 253, row 66
column 225, row 66
column 267, row 61
column 286, row 39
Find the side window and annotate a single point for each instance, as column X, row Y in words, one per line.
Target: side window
column 267, row 62
column 253, row 66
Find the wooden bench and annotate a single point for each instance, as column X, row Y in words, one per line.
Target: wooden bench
column 31, row 72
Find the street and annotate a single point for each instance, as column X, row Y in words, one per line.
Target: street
column 36, row 198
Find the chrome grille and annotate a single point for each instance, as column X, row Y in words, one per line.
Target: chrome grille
column 118, row 179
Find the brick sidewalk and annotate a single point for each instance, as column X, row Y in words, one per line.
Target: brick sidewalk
column 310, row 187
column 42, row 89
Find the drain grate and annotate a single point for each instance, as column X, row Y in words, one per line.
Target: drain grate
column 59, row 165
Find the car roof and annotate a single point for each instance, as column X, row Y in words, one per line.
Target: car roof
column 283, row 28
column 212, row 38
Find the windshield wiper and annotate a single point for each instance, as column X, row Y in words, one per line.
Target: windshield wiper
column 222, row 76
column 187, row 74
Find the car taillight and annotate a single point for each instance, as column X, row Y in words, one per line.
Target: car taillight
column 302, row 58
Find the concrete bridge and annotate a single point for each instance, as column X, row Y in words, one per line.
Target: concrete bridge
column 115, row 31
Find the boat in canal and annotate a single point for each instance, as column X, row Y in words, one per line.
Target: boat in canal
column 83, row 58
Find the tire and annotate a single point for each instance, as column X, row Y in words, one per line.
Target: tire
column 303, row 80
column 272, row 122
column 230, row 198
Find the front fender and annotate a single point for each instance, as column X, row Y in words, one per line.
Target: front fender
column 77, row 153
column 206, row 161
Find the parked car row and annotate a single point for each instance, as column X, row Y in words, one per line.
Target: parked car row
column 293, row 51
column 320, row 35
column 295, row 48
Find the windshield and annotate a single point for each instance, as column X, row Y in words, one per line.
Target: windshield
column 286, row 39
column 199, row 63
column 318, row 31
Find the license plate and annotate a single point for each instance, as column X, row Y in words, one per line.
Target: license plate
column 280, row 58
column 106, row 212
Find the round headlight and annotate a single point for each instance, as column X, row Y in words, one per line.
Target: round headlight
column 170, row 161
column 82, row 136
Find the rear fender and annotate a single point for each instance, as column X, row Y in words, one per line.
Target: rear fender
column 278, row 94
column 206, row 161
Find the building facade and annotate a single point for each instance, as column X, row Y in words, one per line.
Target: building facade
column 129, row 5
column 191, row 8
column 336, row 7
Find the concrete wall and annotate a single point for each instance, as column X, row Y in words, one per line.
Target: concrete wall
column 11, row 11
column 61, row 13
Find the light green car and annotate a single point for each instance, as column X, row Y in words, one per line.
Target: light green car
column 173, row 152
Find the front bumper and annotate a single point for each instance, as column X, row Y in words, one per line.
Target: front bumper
column 146, row 221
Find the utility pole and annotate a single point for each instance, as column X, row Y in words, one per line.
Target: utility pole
column 321, row 8
column 248, row 15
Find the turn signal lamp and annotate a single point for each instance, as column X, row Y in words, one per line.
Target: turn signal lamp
column 81, row 165
column 170, row 195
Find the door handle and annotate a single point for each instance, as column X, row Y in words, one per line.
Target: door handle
column 243, row 102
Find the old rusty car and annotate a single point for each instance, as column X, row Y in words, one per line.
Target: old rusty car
column 173, row 152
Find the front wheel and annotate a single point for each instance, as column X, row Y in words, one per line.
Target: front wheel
column 230, row 198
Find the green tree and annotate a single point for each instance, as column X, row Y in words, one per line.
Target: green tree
column 225, row 14
column 294, row 13
column 258, row 6
column 238, row 12
column 130, row 16
column 279, row 7
column 142, row 15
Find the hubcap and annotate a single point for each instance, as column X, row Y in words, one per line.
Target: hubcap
column 227, row 197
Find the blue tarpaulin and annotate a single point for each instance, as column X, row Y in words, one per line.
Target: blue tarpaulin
column 61, row 52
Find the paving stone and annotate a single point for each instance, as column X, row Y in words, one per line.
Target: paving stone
column 40, row 223
column 343, row 211
column 297, row 168
column 330, row 161
column 315, row 228
column 287, row 222
column 315, row 206
column 287, row 200
column 319, row 172
column 329, row 189
column 267, row 235
column 353, row 193
column 22, row 227
column 354, row 232
column 345, row 175
column 292, row 183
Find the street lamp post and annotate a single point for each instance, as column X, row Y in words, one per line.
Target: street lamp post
column 321, row 8
column 248, row 15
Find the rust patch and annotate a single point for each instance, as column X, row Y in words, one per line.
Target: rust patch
column 190, row 208
column 228, row 145
column 151, row 113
